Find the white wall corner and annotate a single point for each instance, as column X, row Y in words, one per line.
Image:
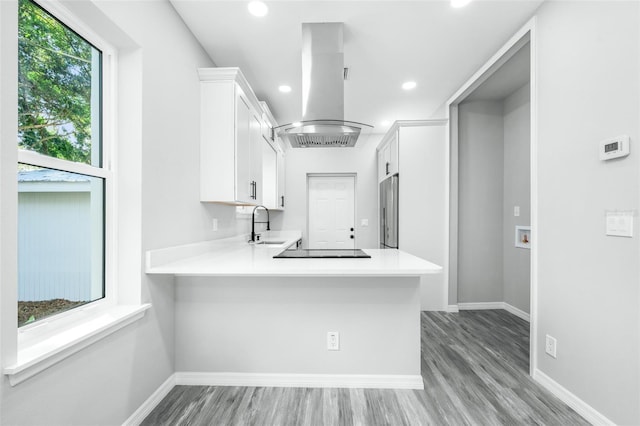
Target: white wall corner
column 152, row 402
column 578, row 405
column 517, row 312
column 477, row 306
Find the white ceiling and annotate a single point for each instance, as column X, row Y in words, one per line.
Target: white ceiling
column 385, row 44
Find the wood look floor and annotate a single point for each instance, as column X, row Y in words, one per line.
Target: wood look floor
column 475, row 369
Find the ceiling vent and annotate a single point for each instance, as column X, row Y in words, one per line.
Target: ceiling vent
column 323, row 76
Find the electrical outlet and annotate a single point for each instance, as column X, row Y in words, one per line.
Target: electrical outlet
column 550, row 346
column 214, row 224
column 333, row 340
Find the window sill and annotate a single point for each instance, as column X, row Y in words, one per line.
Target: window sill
column 37, row 356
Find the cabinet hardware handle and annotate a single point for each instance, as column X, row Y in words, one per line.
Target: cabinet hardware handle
column 351, row 229
column 387, row 168
column 255, row 190
column 252, row 190
column 352, row 237
column 282, row 201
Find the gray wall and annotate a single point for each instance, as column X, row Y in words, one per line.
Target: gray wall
column 517, row 192
column 480, row 202
column 588, row 293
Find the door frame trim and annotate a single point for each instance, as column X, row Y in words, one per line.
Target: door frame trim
column 526, row 34
column 354, row 175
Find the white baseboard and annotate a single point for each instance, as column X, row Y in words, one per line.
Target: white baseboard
column 517, row 312
column 147, row 407
column 381, row 381
column 476, row 306
column 452, row 308
column 494, row 305
column 579, row 406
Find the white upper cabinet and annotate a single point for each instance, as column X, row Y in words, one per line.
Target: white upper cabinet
column 273, row 163
column 269, row 176
column 388, row 156
column 281, row 178
column 257, row 143
column 242, row 177
column 232, row 141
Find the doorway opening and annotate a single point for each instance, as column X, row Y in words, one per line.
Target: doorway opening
column 493, row 202
column 331, row 211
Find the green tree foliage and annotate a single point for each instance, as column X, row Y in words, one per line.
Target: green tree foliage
column 54, row 87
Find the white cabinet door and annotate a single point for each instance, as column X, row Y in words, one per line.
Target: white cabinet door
column 255, row 129
column 243, row 166
column 388, row 163
column 269, row 176
column 383, row 159
column 331, row 212
column 393, row 156
column 281, row 180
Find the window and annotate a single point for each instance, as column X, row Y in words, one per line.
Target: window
column 62, row 181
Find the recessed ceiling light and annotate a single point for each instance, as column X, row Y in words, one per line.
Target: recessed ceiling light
column 296, row 124
column 408, row 85
column 258, row 8
column 459, row 3
column 284, row 88
column 385, row 122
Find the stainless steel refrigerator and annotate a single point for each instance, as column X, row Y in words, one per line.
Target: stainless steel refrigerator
column 389, row 212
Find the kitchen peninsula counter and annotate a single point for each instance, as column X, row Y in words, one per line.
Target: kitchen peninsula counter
column 235, row 257
column 243, row 318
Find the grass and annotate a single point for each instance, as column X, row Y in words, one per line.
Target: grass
column 35, row 310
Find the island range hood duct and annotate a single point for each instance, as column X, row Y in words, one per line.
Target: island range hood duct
column 323, row 76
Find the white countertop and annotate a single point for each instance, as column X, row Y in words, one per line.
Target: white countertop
column 236, row 257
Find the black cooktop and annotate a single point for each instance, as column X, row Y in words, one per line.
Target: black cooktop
column 318, row 253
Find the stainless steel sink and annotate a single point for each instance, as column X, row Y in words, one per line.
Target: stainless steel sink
column 270, row 243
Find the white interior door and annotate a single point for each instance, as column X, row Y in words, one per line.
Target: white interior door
column 331, row 212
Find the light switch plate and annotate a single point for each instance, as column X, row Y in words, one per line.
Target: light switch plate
column 619, row 224
column 516, row 211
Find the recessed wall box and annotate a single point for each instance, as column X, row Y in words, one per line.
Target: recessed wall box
column 614, row 147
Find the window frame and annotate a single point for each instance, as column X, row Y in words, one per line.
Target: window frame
column 25, row 352
column 38, row 330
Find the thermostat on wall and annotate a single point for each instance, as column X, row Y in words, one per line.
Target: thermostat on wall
column 614, row 147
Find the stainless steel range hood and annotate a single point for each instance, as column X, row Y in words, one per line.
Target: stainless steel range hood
column 323, row 76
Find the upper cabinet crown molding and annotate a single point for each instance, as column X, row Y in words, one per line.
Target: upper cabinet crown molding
column 407, row 123
column 231, row 74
